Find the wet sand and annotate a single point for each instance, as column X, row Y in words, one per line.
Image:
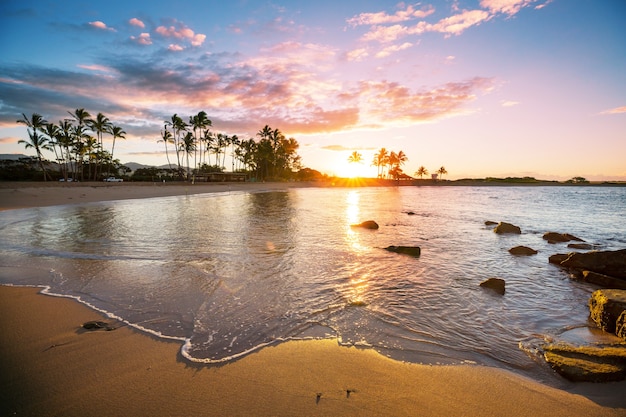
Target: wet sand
column 49, row 365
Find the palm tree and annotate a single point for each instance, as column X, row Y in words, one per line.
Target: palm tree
column 401, row 158
column 101, row 124
column 116, row 132
column 52, row 132
column 35, row 124
column 166, row 137
column 441, row 171
column 380, row 160
column 355, row 158
column 199, row 122
column 178, row 126
column 81, row 116
column 421, row 171
column 188, row 144
column 65, row 140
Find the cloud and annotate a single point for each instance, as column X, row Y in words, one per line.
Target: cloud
column 509, row 103
column 99, row 68
column 341, row 148
column 142, row 39
column 136, row 22
column 385, row 28
column 616, row 110
column 457, row 24
column 175, row 48
column 9, row 139
column 181, row 32
column 394, row 48
column 380, row 18
column 386, row 103
column 509, row 7
column 357, row 54
column 101, row 26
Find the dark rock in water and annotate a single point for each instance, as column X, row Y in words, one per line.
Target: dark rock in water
column 490, row 223
column 587, row 363
column 368, row 224
column 605, row 307
column 522, row 251
column 585, row 246
column 504, row 227
column 97, row 325
column 620, row 325
column 603, row 280
column 405, row 250
column 557, row 258
column 611, row 263
column 553, row 237
column 495, row 284
column 410, row 213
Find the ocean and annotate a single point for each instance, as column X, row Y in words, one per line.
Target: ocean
column 230, row 273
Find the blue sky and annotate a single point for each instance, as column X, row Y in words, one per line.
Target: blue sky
column 484, row 88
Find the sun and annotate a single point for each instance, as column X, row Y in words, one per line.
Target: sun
column 354, row 170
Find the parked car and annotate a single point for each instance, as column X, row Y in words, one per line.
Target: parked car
column 68, row 180
column 113, row 179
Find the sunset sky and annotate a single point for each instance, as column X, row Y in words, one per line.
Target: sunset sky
column 484, row 88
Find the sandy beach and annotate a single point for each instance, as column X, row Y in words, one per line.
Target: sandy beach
column 50, row 366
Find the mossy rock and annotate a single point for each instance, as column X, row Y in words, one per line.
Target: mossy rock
column 587, row 363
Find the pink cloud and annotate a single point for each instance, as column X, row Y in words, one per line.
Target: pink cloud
column 392, row 49
column 100, row 25
column 391, row 103
column 509, row 7
column 175, row 48
column 136, row 22
column 386, row 33
column 182, row 32
column 457, row 24
column 616, row 110
column 142, row 39
column 99, row 68
column 383, row 18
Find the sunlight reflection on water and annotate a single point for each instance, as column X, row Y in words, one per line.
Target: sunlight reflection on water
column 233, row 272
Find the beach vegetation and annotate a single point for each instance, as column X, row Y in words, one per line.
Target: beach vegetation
column 77, row 143
column 36, row 140
column 421, row 171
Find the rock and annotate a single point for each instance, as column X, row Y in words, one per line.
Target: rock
column 585, row 246
column 368, row 224
column 405, row 250
column 522, row 251
column 587, row 363
column 557, row 258
column 620, row 325
column 97, row 325
column 611, row 263
column 504, row 227
column 490, row 223
column 606, row 306
column 410, row 213
column 495, row 284
column 553, row 237
column 603, row 280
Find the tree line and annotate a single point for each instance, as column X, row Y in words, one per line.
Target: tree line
column 389, row 164
column 78, row 145
column 77, row 142
column 273, row 156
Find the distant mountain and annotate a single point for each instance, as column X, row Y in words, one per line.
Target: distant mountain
column 134, row 166
column 12, row 156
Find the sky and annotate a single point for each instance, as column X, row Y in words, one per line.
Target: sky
column 484, row 88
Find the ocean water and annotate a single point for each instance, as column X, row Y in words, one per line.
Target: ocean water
column 230, row 273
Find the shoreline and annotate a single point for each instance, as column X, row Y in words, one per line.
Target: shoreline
column 50, row 366
column 18, row 195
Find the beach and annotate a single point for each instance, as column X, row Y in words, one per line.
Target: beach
column 51, row 366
